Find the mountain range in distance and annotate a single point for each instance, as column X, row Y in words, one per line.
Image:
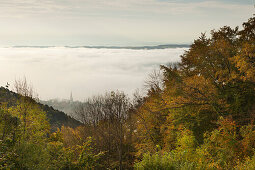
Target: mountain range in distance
column 116, row 47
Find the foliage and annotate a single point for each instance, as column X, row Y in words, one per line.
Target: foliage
column 202, row 114
column 24, row 130
column 197, row 114
column 87, row 158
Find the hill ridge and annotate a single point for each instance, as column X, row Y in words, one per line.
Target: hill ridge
column 56, row 118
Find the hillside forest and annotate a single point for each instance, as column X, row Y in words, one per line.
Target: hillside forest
column 196, row 114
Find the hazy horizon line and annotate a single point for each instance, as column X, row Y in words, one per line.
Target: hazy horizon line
column 160, row 46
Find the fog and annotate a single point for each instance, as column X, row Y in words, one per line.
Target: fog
column 55, row 72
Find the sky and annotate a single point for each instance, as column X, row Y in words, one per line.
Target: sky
column 115, row 22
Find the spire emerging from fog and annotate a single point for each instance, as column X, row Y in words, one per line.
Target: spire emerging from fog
column 71, row 97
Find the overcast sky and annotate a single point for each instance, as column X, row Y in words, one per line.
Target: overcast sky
column 115, row 22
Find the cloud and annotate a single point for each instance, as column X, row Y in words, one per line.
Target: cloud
column 55, row 72
column 114, row 22
column 124, row 8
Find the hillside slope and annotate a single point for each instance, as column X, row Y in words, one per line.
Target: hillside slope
column 56, row 118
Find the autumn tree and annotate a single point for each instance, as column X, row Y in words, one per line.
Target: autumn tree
column 214, row 80
column 104, row 119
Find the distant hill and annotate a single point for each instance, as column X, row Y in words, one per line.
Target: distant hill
column 64, row 105
column 137, row 47
column 118, row 47
column 56, row 118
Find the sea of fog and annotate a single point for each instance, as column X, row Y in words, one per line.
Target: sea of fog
column 55, row 72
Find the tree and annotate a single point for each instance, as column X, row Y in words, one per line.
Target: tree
column 105, row 120
column 213, row 81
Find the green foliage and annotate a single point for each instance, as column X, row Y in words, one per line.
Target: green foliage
column 164, row 161
column 31, row 156
column 180, row 158
column 87, row 158
column 186, row 145
column 8, row 130
column 155, row 161
column 221, row 147
column 71, row 157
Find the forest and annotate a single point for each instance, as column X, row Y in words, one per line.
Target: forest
column 197, row 114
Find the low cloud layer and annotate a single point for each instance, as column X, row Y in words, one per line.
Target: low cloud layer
column 56, row 71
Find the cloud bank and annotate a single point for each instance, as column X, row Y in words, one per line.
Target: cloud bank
column 56, row 71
